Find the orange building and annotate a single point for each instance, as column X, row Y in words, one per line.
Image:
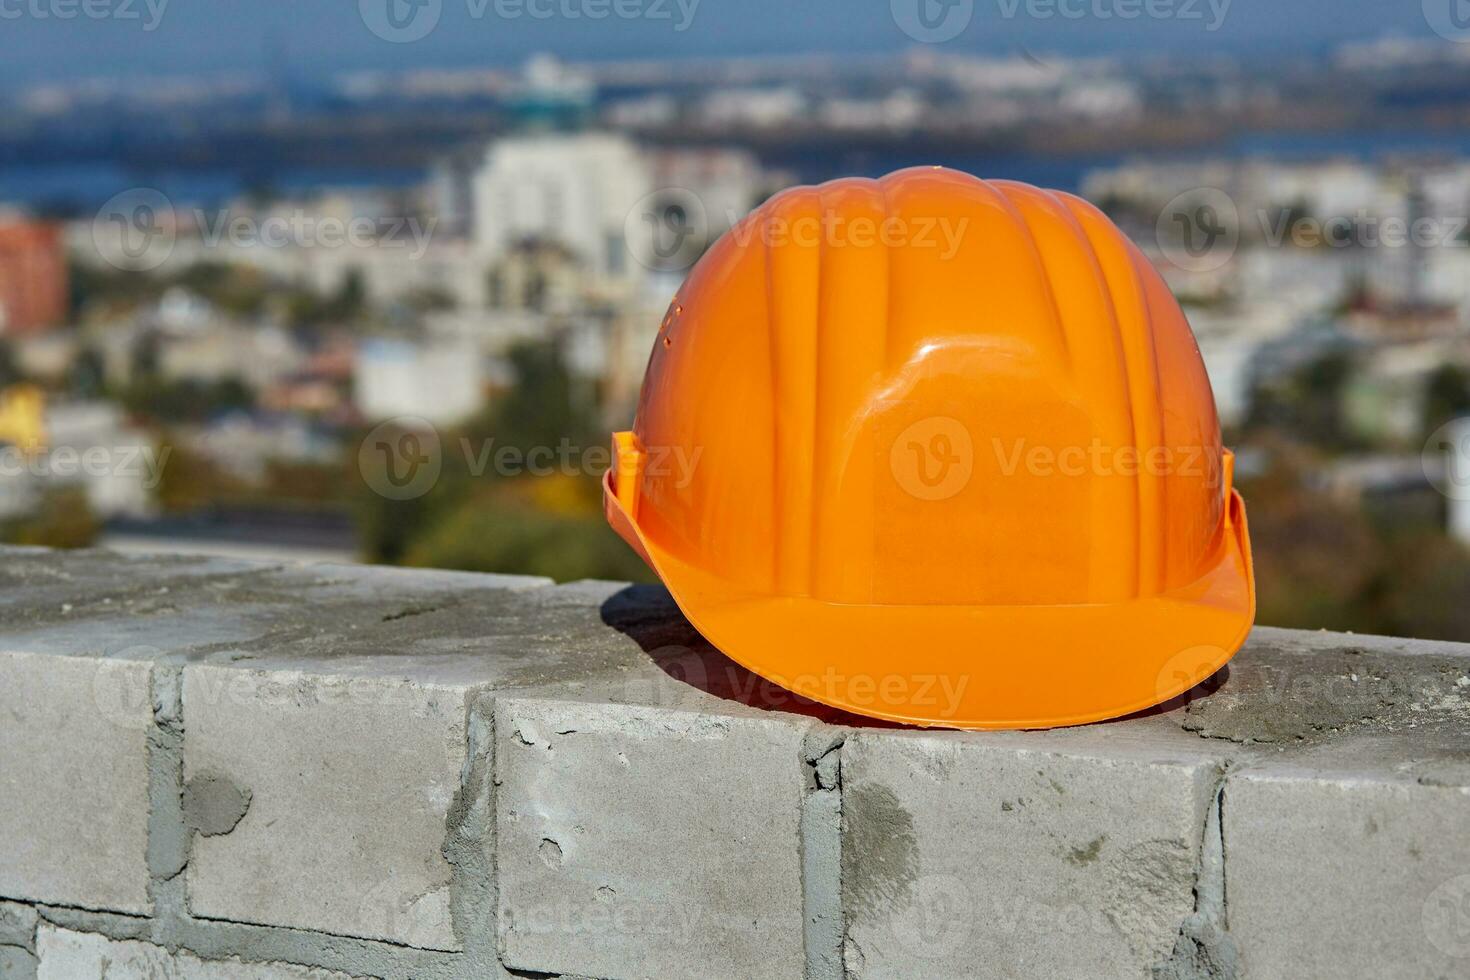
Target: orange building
column 32, row 275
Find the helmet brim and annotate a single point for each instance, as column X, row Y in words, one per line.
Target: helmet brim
column 974, row 667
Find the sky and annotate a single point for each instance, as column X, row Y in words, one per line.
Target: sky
column 62, row 40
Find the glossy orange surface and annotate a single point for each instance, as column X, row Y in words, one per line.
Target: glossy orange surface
column 939, row 450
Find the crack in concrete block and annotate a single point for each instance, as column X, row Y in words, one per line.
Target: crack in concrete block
column 1204, row 949
column 469, row 846
column 821, row 854
column 168, row 837
column 17, row 941
column 17, row 925
column 212, row 939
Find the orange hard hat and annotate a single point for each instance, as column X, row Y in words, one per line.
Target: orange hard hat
column 942, row 451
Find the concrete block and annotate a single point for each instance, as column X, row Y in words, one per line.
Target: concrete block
column 74, row 780
column 66, row 955
column 644, row 842
column 1338, row 869
column 1043, row 855
column 17, row 925
column 345, row 783
column 1289, row 690
column 173, row 609
column 345, row 726
column 17, row 963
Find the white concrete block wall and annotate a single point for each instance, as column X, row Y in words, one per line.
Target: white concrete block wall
column 74, row 780
column 1019, row 855
column 646, row 842
column 1350, row 869
column 225, row 770
column 66, row 955
column 342, row 786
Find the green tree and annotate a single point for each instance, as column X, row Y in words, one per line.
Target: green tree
column 498, row 533
column 545, row 406
column 1446, row 396
column 64, row 519
column 1306, row 404
column 1421, row 589
column 10, row 372
column 87, row 375
column 1314, row 558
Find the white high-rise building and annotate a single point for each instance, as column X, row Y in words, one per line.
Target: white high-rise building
column 573, row 188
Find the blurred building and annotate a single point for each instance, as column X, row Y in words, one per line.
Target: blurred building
column 1457, row 460
column 33, row 283
column 118, row 464
column 244, row 444
column 83, row 445
column 574, row 189
column 727, row 182
column 439, row 380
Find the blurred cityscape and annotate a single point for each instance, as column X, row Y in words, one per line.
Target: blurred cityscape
column 232, row 304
